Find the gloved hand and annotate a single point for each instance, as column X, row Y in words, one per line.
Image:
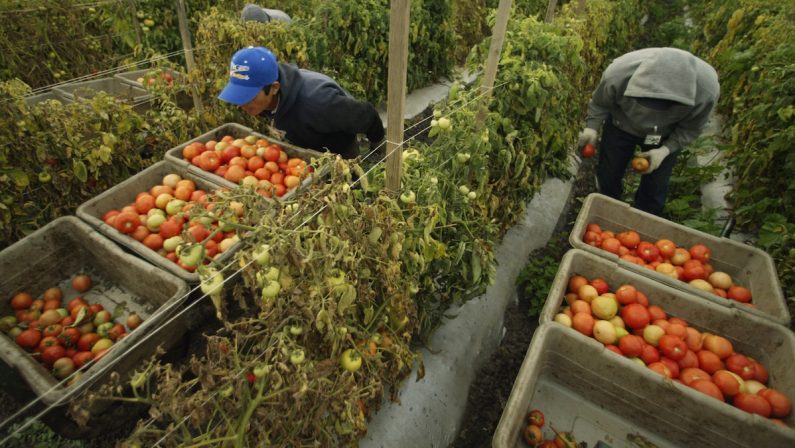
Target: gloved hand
column 655, row 156
column 587, row 135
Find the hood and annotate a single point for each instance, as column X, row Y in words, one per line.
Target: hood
column 666, row 74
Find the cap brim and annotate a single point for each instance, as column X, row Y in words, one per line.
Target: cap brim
column 237, row 94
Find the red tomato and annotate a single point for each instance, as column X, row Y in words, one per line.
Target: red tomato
column 29, row 339
column 707, row 387
column 647, row 251
column 635, row 315
column 700, row 252
column 69, row 337
column 588, row 150
column 272, row 153
column 600, row 285
column 690, row 374
column 170, row 228
column 630, row 239
column 53, row 330
column 82, row 357
column 740, row 365
column 780, row 404
column 673, row 347
column 209, row 161
column 718, row 345
column 739, row 293
column 726, row 382
column 21, row 301
column 52, row 353
column 611, row 245
column 614, row 349
column 87, row 341
column 82, row 283
column 754, row 404
column 666, row 248
column 127, row 222
column 631, row 345
column 650, row 354
column 708, row 361
column 536, row 417
column 626, row 294
column 153, row 241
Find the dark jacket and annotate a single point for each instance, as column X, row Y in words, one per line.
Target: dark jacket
column 669, row 74
column 316, row 113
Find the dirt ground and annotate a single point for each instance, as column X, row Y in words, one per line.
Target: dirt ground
column 490, row 391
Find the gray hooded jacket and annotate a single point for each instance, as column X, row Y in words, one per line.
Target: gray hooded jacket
column 661, row 74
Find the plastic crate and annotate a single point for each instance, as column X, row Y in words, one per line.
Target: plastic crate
column 599, row 396
column 183, row 99
column 32, row 100
column 239, row 131
column 124, row 193
column 51, row 256
column 135, row 95
column 748, row 266
column 643, row 393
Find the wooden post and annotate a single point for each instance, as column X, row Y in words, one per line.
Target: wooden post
column 188, row 47
column 396, row 90
column 136, row 25
column 581, row 7
column 493, row 60
column 551, row 11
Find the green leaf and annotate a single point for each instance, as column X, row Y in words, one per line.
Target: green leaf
column 20, row 178
column 80, row 171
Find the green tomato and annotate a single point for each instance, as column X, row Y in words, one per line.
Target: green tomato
column 296, row 330
column 226, row 392
column 271, row 289
column 463, row 189
column 212, row 281
column 261, row 370
column 172, row 243
column 351, row 360
column 45, row 177
column 192, row 256
column 262, row 254
column 408, row 198
column 297, row 356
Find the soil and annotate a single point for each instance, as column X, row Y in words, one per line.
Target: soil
column 489, row 393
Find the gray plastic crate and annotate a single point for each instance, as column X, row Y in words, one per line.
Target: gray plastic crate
column 183, row 99
column 678, row 405
column 124, row 193
column 239, row 131
column 32, row 100
column 51, row 256
column 134, row 95
column 748, row 266
column 599, row 396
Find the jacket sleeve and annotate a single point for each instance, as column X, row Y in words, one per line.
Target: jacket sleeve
column 342, row 113
column 691, row 127
column 602, row 102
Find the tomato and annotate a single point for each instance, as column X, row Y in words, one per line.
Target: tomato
column 82, row 283
column 153, row 241
column 640, row 164
column 52, row 353
column 635, row 315
column 69, row 337
column 728, row 384
column 133, row 321
column 351, row 360
column 575, row 282
column 593, row 238
column 52, row 294
column 660, row 368
column 600, row 285
column 647, row 251
column 63, row 367
column 235, row 174
column 650, row 354
column 754, row 404
column 532, row 435
column 75, row 302
column 21, row 301
column 739, row 293
column 689, row 360
column 740, row 365
column 170, row 228
column 87, row 341
column 144, row 203
column 718, row 345
column 611, row 245
column 709, row 388
column 708, row 361
column 583, row 323
column 673, row 347
column 29, row 339
column 272, row 153
column 53, row 330
column 631, row 345
column 700, row 252
column 629, row 239
column 110, row 217
column 626, row 294
column 614, row 349
column 82, row 357
column 694, row 269
column 536, row 417
column 209, row 161
column 760, row 372
column 690, row 374
column 780, row 405
column 588, row 150
column 666, row 248
column 127, row 222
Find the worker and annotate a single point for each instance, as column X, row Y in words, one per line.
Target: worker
column 260, row 14
column 310, row 108
column 658, row 99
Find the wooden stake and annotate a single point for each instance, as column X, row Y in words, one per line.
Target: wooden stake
column 495, row 50
column 182, row 17
column 396, row 90
column 551, row 11
column 136, row 25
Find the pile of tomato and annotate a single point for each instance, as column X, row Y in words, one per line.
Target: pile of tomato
column 628, row 325
column 157, row 219
column 533, row 433
column 691, row 265
column 64, row 338
column 250, row 161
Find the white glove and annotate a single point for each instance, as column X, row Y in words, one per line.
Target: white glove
column 655, row 156
column 587, row 135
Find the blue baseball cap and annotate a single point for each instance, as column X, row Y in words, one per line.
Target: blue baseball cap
column 251, row 69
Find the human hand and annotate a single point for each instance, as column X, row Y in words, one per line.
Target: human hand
column 655, row 156
column 587, row 136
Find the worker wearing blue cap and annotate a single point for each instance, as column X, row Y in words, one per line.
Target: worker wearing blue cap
column 310, row 108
